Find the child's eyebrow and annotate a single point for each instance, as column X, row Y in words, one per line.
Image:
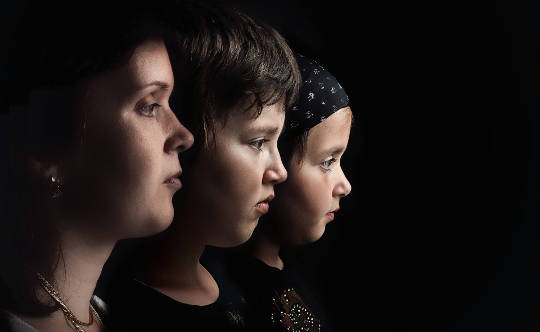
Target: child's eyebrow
column 334, row 150
column 268, row 130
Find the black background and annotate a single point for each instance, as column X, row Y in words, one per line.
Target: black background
column 439, row 232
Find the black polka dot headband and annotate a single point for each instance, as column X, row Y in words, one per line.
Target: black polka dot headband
column 320, row 96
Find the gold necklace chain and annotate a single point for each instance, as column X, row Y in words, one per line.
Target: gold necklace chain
column 68, row 314
column 95, row 313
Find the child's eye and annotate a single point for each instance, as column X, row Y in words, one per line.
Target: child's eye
column 327, row 163
column 257, row 144
column 150, row 110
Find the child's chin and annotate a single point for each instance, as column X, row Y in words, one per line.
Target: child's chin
column 237, row 239
column 318, row 233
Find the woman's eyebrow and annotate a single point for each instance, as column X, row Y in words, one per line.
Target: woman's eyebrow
column 162, row 85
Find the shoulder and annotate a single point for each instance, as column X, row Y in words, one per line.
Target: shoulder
column 12, row 323
column 101, row 308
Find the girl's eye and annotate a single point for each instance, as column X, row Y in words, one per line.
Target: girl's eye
column 327, row 163
column 257, row 144
column 150, row 110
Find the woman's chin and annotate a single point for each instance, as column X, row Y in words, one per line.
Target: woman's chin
column 152, row 226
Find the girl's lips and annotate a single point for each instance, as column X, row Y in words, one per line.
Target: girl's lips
column 331, row 214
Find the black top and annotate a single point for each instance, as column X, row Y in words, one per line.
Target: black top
column 135, row 306
column 276, row 299
column 12, row 323
column 102, row 310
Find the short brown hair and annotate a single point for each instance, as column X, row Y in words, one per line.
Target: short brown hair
column 224, row 59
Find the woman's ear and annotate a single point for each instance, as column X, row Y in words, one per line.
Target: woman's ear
column 45, row 169
column 48, row 172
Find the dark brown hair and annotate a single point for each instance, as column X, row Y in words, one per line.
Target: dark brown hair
column 225, row 59
column 55, row 51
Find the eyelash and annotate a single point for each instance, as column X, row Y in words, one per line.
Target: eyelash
column 149, row 110
column 257, row 144
column 330, row 161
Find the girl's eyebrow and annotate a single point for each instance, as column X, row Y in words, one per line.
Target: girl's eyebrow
column 334, row 150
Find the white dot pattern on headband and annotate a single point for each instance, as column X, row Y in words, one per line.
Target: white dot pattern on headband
column 320, row 96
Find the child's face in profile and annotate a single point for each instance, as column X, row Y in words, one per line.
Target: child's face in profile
column 316, row 182
column 235, row 179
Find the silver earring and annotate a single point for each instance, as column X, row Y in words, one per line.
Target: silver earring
column 56, row 186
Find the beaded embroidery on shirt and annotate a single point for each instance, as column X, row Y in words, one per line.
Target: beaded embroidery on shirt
column 236, row 318
column 234, row 315
column 292, row 314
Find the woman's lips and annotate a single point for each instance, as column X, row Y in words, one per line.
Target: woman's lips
column 174, row 182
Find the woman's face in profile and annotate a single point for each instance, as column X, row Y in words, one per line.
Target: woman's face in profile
column 306, row 202
column 126, row 171
column 235, row 179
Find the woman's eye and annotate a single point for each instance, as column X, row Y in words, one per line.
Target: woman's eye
column 327, row 163
column 257, row 144
column 150, row 110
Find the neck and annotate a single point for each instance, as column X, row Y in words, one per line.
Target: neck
column 173, row 259
column 266, row 249
column 75, row 278
column 79, row 269
column 171, row 265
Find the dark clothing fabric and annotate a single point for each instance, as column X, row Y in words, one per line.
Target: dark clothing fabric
column 102, row 310
column 11, row 323
column 135, row 306
column 276, row 299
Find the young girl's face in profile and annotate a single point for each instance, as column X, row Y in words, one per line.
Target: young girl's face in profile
column 316, row 182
